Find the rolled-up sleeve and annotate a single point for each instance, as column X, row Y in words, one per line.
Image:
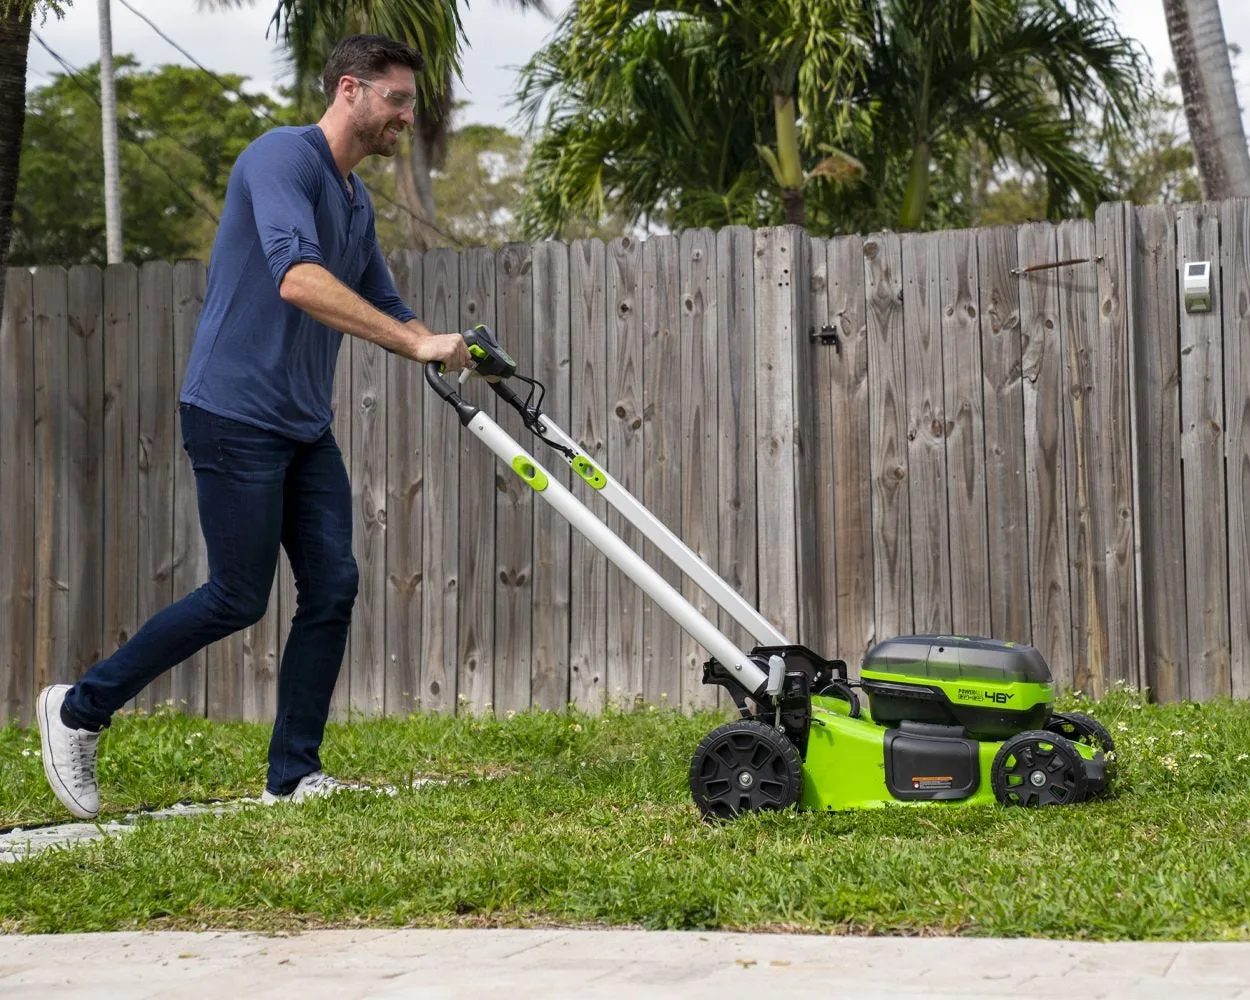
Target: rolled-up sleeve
column 378, row 288
column 282, row 181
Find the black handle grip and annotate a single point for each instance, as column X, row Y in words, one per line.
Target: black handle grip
column 492, row 360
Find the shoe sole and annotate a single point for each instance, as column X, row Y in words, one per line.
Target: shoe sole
column 64, row 796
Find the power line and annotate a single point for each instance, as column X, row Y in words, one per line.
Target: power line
column 226, row 88
column 73, row 75
column 198, row 65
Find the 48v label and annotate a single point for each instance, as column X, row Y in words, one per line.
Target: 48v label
column 980, row 694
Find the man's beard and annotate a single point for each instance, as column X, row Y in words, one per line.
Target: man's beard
column 375, row 140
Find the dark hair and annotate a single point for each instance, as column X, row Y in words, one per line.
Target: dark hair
column 366, row 56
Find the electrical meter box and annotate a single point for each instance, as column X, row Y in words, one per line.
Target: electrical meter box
column 1197, row 282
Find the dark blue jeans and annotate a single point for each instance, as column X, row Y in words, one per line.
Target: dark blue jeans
column 256, row 490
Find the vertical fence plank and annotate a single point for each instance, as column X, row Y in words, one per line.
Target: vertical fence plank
column 341, row 427
column 588, row 353
column 801, row 348
column 1235, row 294
column 1161, row 513
column 475, row 661
column 226, row 681
column 625, row 459
column 157, row 406
column 926, row 434
column 1042, row 369
column 188, row 684
column 84, row 462
column 51, row 509
column 661, row 443
column 823, row 435
column 514, row 500
column 368, row 478
column 965, row 436
column 891, row 526
column 1007, row 563
column 1082, row 450
column 441, row 476
column 550, row 665
column 405, row 507
column 1202, row 462
column 735, row 420
column 777, row 500
column 121, row 466
column 1113, row 512
column 851, row 474
column 17, row 497
column 699, row 509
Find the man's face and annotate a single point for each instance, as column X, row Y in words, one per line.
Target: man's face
column 383, row 109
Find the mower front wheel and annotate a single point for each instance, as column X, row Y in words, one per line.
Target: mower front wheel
column 744, row 766
column 1038, row 768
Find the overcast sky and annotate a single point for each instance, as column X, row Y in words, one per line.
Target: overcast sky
column 500, row 38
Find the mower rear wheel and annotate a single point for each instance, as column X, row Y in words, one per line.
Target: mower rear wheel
column 1081, row 728
column 1038, row 768
column 744, row 766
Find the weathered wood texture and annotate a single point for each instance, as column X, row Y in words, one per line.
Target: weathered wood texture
column 1020, row 432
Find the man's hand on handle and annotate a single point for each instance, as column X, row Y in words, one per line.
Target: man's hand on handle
column 447, row 348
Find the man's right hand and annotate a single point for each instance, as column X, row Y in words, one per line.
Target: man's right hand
column 448, row 348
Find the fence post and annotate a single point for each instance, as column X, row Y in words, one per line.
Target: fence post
column 17, row 498
column 1235, row 295
column 785, row 428
column 1156, row 412
column 1202, row 465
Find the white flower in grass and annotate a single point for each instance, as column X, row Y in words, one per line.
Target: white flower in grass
column 1243, row 756
column 1178, row 732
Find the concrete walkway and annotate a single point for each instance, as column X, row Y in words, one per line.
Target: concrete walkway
column 547, row 964
column 18, row 843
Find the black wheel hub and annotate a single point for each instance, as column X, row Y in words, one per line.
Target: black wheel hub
column 744, row 766
column 1038, row 769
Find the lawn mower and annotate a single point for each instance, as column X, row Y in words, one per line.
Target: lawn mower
column 933, row 720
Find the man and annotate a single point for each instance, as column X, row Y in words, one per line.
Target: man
column 295, row 262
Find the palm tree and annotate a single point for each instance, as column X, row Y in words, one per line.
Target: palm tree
column 15, row 21
column 664, row 115
column 1017, row 76
column 801, row 50
column 309, row 29
column 1206, row 76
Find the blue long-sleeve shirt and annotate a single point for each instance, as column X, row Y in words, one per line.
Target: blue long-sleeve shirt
column 256, row 358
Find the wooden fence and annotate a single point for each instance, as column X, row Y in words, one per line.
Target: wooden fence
column 866, row 436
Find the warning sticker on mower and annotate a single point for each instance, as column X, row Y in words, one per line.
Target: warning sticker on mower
column 932, row 782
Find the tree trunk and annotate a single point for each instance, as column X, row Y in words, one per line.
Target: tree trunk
column 414, row 185
column 108, row 139
column 789, row 159
column 417, row 208
column 1206, row 78
column 916, row 197
column 14, row 41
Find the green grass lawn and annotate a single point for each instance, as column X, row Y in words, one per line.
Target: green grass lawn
column 569, row 819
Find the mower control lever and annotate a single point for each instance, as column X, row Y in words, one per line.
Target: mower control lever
column 492, row 361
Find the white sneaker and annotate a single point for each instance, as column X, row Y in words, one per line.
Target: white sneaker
column 312, row 786
column 68, row 755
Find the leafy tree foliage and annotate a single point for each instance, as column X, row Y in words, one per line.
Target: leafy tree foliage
column 181, row 133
